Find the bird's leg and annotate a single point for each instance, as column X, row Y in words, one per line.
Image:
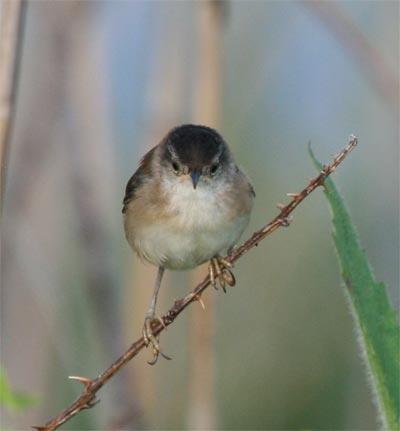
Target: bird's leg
column 150, row 319
column 219, row 269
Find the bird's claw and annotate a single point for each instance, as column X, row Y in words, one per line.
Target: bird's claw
column 219, row 269
column 150, row 339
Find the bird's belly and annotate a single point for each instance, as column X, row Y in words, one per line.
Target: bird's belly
column 197, row 225
column 185, row 247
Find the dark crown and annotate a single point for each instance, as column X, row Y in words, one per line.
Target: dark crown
column 195, row 146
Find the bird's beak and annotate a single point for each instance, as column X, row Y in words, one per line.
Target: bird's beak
column 195, row 177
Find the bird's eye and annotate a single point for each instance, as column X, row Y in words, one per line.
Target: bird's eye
column 213, row 169
column 175, row 167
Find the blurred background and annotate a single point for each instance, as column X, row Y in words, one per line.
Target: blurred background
column 101, row 83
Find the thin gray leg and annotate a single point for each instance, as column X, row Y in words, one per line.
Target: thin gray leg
column 149, row 338
column 152, row 309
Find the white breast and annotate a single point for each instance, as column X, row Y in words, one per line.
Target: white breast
column 201, row 227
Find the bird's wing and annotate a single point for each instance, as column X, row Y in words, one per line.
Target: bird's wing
column 137, row 179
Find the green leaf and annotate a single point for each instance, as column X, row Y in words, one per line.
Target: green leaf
column 13, row 400
column 375, row 319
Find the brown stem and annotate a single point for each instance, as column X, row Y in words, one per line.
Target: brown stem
column 88, row 397
column 11, row 34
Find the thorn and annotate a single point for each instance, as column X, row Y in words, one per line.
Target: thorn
column 353, row 139
column 285, row 222
column 280, row 206
column 172, row 314
column 325, row 170
column 177, row 302
column 200, row 300
column 293, row 195
column 91, row 403
column 85, row 382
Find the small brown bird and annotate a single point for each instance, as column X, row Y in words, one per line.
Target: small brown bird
column 187, row 203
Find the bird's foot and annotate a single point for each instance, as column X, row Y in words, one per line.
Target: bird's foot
column 219, row 269
column 150, row 339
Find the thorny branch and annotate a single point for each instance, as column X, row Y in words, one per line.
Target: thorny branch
column 88, row 397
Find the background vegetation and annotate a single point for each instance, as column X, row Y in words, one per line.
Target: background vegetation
column 101, row 82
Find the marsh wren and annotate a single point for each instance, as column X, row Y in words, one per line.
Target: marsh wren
column 186, row 203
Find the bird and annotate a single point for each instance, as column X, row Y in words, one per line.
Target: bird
column 186, row 204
